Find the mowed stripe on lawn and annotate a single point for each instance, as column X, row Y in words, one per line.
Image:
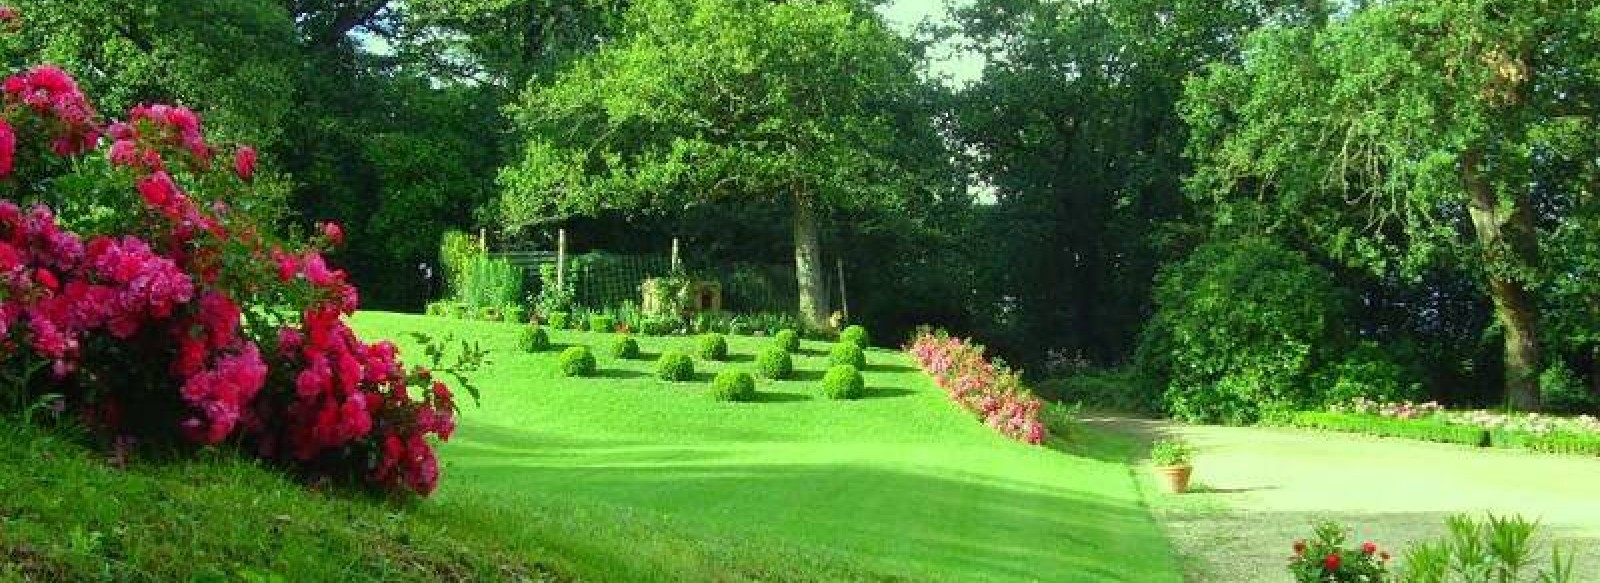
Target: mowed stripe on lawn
column 900, row 482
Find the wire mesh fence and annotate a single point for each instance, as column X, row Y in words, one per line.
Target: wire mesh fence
column 602, row 279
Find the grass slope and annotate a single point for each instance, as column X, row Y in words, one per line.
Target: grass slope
column 898, row 484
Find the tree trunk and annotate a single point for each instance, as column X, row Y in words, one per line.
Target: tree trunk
column 808, row 265
column 1508, row 241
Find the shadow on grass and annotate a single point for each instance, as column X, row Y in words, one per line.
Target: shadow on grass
column 890, row 368
column 740, row 358
column 807, row 376
column 620, row 373
column 1204, row 489
column 780, row 397
column 886, row 392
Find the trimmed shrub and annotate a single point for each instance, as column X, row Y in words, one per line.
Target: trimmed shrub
column 855, row 334
column 602, row 323
column 578, row 361
column 625, row 347
column 739, row 328
column 788, row 339
column 1553, row 442
column 774, row 363
column 733, row 385
column 460, row 311
column 559, row 320
column 712, row 347
column 516, row 314
column 843, row 382
column 848, row 354
column 1421, row 429
column 675, row 366
column 658, row 325
column 533, row 339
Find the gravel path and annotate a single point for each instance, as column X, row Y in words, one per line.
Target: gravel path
column 1258, row 489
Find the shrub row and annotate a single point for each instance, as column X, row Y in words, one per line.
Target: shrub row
column 992, row 392
column 1428, row 429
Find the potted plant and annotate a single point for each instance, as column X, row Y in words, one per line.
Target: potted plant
column 1172, row 459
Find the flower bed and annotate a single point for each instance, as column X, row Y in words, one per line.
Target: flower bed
column 992, row 392
column 139, row 296
column 1431, row 422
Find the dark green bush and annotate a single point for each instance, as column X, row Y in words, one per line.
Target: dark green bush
column 739, row 328
column 516, row 314
column 712, row 347
column 578, row 362
column 848, row 354
column 854, row 334
column 733, row 385
column 1562, row 391
column 1239, row 329
column 625, row 347
column 559, row 320
column 533, row 339
column 602, row 323
column 1553, row 442
column 1368, row 371
column 1121, row 390
column 1420, row 429
column 658, row 325
column 843, row 382
column 675, row 366
column 774, row 363
column 788, row 339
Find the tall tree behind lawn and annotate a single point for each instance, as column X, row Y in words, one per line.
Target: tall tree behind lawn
column 721, row 99
column 1412, row 132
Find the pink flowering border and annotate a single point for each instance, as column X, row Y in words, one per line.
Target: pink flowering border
column 993, row 393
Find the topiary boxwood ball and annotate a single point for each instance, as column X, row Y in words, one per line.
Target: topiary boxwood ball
column 602, row 323
column 533, row 339
column 854, row 334
column 733, row 385
column 843, row 382
column 713, row 347
column 774, row 363
column 675, row 366
column 577, row 362
column 850, row 354
column 558, row 320
column 625, row 347
column 788, row 339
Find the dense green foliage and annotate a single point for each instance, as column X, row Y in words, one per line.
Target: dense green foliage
column 855, row 334
column 1240, row 328
column 787, row 339
column 850, row 354
column 578, row 361
column 733, row 385
column 625, row 347
column 712, row 346
column 533, row 339
column 843, row 381
column 675, row 366
column 773, row 362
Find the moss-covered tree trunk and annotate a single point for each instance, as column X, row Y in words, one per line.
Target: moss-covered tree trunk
column 1507, row 239
column 808, row 263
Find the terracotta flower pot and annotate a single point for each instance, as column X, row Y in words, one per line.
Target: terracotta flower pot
column 1177, row 477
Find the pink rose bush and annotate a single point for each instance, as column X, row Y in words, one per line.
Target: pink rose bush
column 992, row 392
column 171, row 315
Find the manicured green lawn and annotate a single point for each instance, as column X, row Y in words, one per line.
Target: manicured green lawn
column 898, row 484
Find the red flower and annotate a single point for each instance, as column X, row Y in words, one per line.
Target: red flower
column 244, row 162
column 1331, row 562
column 8, row 148
column 332, row 232
column 1368, row 548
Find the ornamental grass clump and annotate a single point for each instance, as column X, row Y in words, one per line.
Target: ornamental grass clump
column 733, row 385
column 578, row 361
column 180, row 318
column 774, row 363
column 843, row 382
column 675, row 366
column 994, row 394
column 712, row 347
